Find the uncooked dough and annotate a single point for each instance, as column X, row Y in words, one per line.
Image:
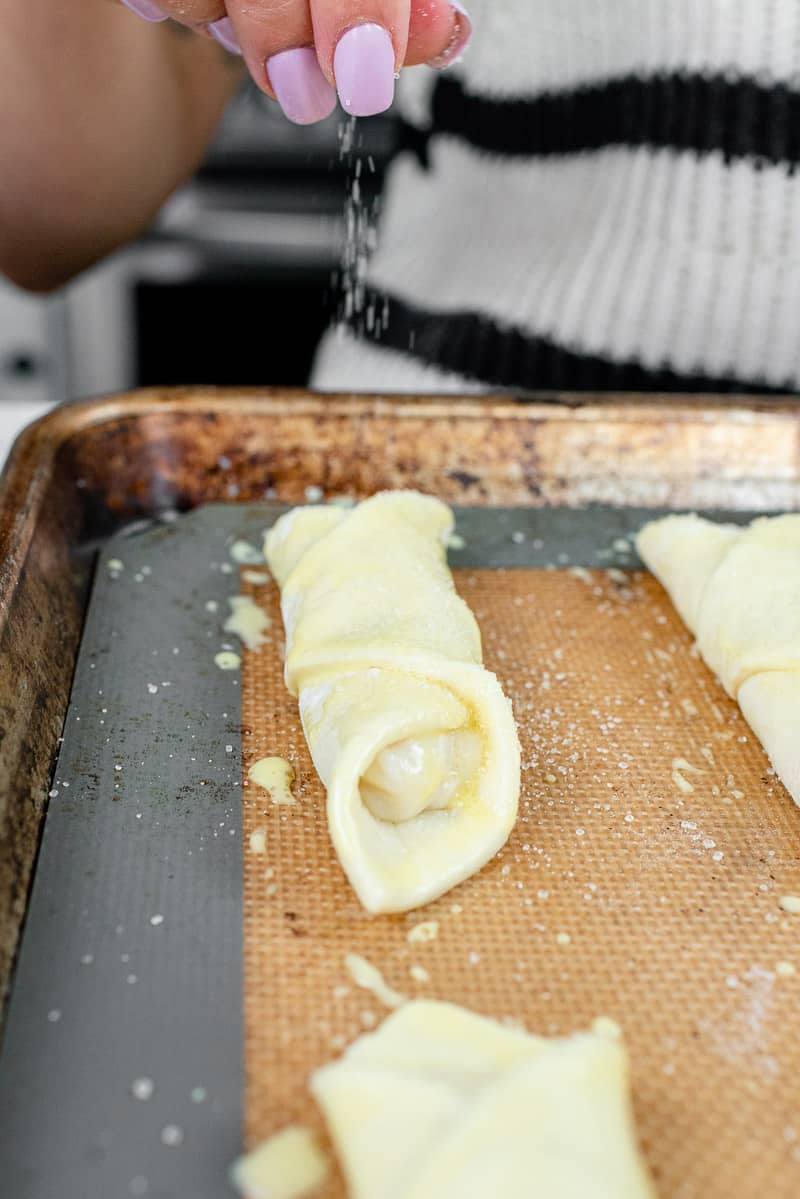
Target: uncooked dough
column 289, row 1165
column 440, row 1103
column 411, row 735
column 247, row 621
column 738, row 590
column 276, row 776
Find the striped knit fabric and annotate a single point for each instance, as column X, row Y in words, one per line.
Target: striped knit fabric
column 601, row 195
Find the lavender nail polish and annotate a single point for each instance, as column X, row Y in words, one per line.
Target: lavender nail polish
column 145, row 9
column 225, row 34
column 302, row 90
column 363, row 65
column 462, row 35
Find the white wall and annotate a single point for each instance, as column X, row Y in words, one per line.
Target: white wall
column 31, row 360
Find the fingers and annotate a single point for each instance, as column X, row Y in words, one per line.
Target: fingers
column 363, row 58
column 302, row 52
column 421, row 31
column 375, row 33
column 277, row 41
column 360, row 46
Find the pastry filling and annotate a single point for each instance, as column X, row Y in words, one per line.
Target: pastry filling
column 420, row 774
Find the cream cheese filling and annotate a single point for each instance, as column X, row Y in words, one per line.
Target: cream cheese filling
column 420, row 774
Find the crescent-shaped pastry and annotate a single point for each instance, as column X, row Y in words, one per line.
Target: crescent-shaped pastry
column 440, row 1103
column 412, row 737
column 738, row 590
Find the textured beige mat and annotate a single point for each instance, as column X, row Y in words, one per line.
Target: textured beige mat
column 624, row 891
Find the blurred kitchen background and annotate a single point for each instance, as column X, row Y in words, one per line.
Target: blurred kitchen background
column 233, row 285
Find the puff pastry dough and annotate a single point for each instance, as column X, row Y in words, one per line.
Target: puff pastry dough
column 444, row 1104
column 413, row 739
column 738, row 590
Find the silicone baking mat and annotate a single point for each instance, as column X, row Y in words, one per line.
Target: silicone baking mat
column 158, row 943
column 634, row 886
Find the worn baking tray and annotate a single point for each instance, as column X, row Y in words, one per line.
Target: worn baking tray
column 584, row 472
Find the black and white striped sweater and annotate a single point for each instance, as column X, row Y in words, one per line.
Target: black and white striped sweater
column 601, row 195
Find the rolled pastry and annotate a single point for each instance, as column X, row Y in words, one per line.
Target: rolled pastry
column 414, row 740
column 738, row 590
column 442, row 1104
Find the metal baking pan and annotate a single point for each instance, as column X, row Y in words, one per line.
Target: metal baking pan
column 139, row 826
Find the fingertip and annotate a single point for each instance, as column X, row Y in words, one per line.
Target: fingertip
column 439, row 33
column 225, row 34
column 364, row 70
column 460, row 37
column 300, row 87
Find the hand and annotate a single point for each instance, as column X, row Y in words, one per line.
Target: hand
column 301, row 52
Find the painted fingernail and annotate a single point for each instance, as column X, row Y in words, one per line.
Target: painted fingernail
column 146, row 10
column 462, row 33
column 302, row 90
column 363, row 65
column 225, row 34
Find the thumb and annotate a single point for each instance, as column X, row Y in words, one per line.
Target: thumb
column 438, row 32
